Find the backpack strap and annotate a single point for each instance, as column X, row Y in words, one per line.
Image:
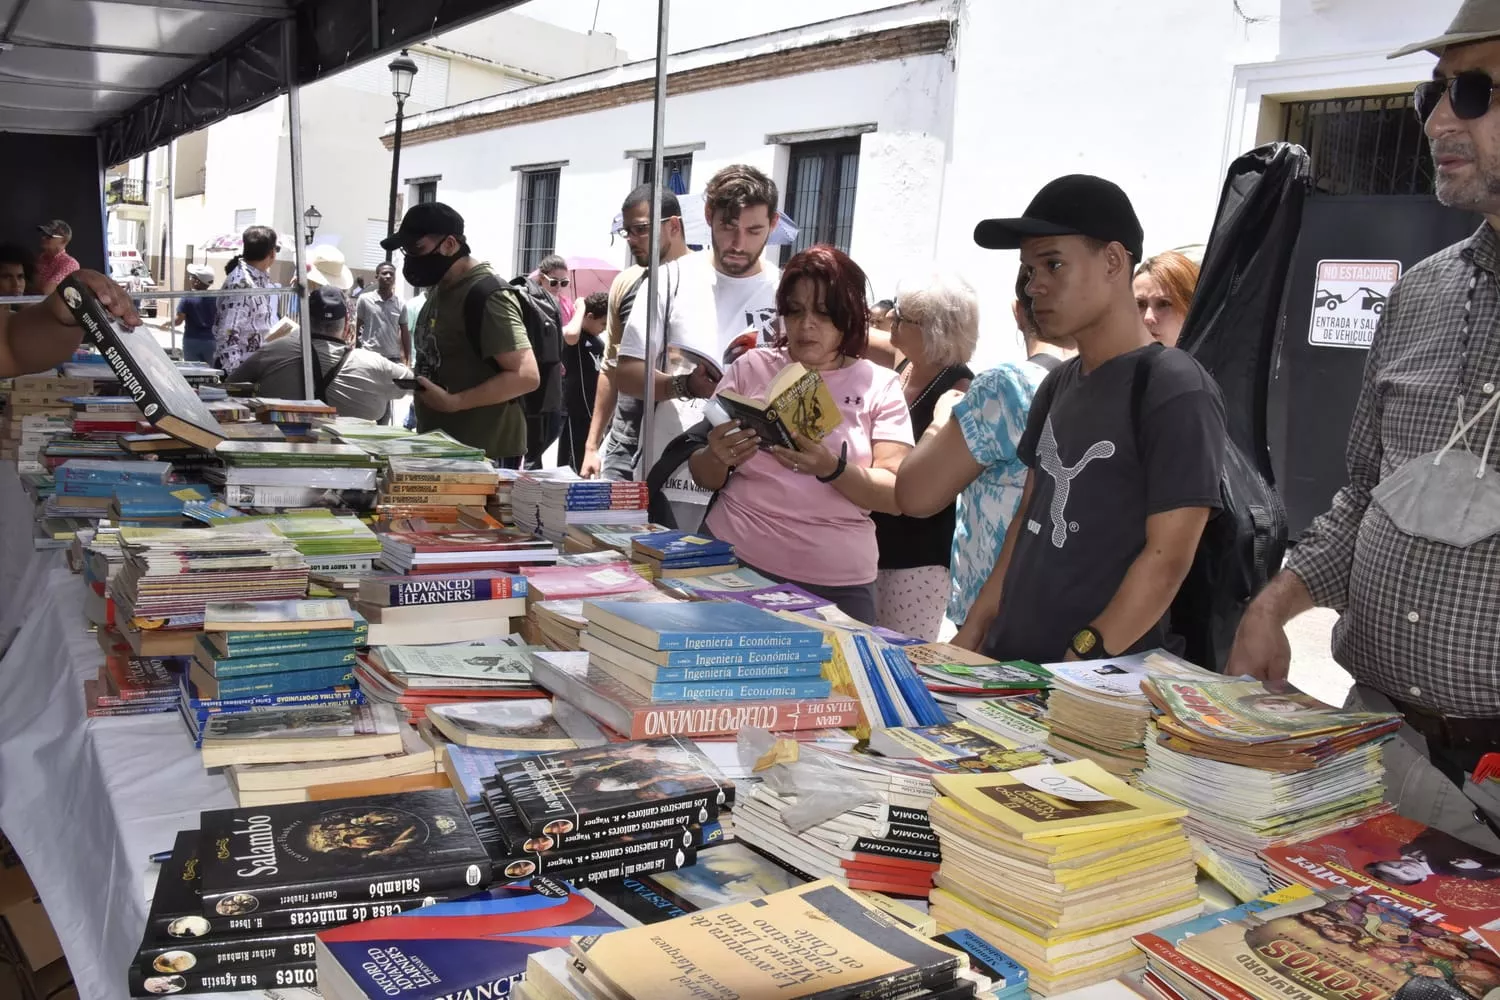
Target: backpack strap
column 324, row 380
column 475, row 300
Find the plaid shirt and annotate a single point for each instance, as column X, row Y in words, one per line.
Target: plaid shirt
column 1420, row 620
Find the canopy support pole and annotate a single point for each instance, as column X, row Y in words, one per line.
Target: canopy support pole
column 294, row 129
column 655, row 349
column 166, row 267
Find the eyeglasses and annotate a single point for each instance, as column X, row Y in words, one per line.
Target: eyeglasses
column 555, row 282
column 1469, row 92
column 641, row 228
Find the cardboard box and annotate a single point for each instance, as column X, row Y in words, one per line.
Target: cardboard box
column 33, row 930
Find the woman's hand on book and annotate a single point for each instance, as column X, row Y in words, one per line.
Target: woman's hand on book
column 110, row 295
column 809, row 457
column 731, row 444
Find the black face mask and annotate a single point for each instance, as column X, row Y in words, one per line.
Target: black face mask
column 428, row 269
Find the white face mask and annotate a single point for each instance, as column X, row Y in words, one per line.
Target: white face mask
column 1447, row 496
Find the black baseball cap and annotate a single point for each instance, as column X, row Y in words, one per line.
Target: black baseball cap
column 326, row 303
column 427, row 219
column 56, row 227
column 1075, row 205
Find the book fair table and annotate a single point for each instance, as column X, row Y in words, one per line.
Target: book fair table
column 86, row 802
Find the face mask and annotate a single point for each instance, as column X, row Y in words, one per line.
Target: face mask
column 428, row 269
column 1447, row 496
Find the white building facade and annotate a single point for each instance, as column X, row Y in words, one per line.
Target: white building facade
column 940, row 113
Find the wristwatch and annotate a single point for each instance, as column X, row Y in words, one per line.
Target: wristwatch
column 1088, row 644
column 681, row 387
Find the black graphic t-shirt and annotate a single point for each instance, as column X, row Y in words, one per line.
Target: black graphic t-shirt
column 1094, row 488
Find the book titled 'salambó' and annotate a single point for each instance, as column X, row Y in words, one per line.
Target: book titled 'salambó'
column 347, row 850
column 602, row 787
column 143, row 368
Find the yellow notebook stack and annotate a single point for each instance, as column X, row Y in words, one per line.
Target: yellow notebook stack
column 1060, row 865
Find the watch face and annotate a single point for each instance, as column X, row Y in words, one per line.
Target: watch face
column 1084, row 642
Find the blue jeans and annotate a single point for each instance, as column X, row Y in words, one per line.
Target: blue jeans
column 198, row 349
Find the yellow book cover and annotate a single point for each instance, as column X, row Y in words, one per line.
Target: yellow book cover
column 799, row 942
column 1008, row 801
column 797, row 401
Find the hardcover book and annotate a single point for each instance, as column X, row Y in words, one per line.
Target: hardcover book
column 344, row 851
column 595, row 787
column 143, row 368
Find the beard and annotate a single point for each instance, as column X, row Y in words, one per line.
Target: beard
column 739, row 265
column 1477, row 192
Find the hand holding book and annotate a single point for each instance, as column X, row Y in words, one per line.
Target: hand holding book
column 110, row 295
column 732, row 444
column 808, row 458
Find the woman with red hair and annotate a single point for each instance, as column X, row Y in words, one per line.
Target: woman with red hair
column 1164, row 287
column 803, row 515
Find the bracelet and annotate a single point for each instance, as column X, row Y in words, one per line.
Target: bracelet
column 838, row 470
column 681, row 388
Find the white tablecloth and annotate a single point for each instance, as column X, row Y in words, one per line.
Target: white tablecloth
column 86, row 802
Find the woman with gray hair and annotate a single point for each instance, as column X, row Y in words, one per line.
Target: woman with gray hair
column 935, row 326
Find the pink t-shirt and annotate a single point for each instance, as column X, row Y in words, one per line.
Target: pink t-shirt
column 51, row 270
column 788, row 523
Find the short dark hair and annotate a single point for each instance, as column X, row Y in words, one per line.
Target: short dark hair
column 843, row 283
column 642, row 195
column 883, row 306
column 10, row 253
column 1028, row 307
column 259, row 242
column 551, row 262
column 738, row 187
column 381, row 265
column 596, row 304
column 1097, row 245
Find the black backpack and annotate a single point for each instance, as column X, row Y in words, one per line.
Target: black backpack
column 1240, row 550
column 673, row 462
column 543, row 329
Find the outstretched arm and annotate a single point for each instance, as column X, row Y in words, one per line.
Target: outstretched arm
column 44, row 334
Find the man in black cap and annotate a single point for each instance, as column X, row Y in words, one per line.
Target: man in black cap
column 1125, row 445
column 473, row 359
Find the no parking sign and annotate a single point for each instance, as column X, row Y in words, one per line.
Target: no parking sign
column 1349, row 298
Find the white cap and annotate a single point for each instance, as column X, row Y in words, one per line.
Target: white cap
column 202, row 272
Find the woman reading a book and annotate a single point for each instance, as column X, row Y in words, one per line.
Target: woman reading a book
column 802, row 515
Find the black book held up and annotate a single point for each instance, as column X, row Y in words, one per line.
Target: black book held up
column 143, row 368
column 369, row 848
column 615, row 790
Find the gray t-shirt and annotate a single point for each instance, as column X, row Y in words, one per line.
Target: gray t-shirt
column 1094, row 488
column 378, row 321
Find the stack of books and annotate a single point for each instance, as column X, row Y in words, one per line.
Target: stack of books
column 132, row 685
column 425, row 552
column 517, row 725
column 1060, row 865
column 600, row 814
column 36, row 411
column 441, row 607
column 546, row 502
column 591, row 537
column 560, row 624
column 250, row 648
column 169, row 576
column 672, row 554
column 952, row 673
column 329, row 544
column 1021, row 718
column 85, row 487
column 1097, row 709
column 162, row 505
column 295, row 417
column 416, row 677
column 1259, row 768
column 238, row 904
column 325, row 732
column 416, row 486
column 274, row 475
column 860, row 950
column 412, row 765
column 563, row 582
column 705, row 651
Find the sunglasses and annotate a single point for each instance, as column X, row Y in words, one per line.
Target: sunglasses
column 641, row 228
column 555, row 282
column 1469, row 92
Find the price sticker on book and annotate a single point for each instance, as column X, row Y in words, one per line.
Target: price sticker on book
column 608, row 577
column 1047, row 778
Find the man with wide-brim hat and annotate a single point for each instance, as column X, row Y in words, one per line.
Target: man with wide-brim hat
column 1409, row 553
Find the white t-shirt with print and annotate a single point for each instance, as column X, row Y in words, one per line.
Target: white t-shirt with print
column 705, row 313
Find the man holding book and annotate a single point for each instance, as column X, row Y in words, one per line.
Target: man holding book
column 1125, row 447
column 473, row 359
column 707, row 303
column 1409, row 552
column 44, row 334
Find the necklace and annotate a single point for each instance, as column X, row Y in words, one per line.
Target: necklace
column 930, row 385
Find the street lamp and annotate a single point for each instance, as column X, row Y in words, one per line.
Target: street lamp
column 403, row 70
column 311, row 219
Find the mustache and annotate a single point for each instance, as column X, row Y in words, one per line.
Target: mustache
column 1453, row 147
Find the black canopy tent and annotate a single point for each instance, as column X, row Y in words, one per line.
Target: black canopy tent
column 88, row 83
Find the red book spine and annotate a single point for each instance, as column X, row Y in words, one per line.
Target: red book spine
column 1200, row 974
